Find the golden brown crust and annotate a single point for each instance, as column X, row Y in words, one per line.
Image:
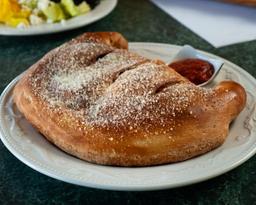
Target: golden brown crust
column 110, row 38
column 117, row 108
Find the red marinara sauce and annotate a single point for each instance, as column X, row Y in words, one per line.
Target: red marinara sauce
column 196, row 70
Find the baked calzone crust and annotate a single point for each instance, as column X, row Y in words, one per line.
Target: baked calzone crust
column 95, row 100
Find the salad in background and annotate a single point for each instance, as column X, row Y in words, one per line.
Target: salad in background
column 24, row 13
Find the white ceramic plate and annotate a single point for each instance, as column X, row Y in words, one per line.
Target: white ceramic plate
column 32, row 149
column 100, row 11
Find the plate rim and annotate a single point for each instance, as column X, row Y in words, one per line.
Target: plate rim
column 121, row 187
column 40, row 30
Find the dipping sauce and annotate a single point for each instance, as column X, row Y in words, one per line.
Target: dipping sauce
column 196, row 70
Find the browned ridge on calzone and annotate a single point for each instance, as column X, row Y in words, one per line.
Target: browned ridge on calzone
column 95, row 100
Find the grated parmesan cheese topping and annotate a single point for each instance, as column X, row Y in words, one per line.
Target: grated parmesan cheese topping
column 113, row 88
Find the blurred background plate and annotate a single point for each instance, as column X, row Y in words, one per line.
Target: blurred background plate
column 100, row 11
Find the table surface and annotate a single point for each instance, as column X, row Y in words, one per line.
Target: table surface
column 137, row 21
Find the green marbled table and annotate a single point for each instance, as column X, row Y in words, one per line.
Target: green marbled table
column 138, row 21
